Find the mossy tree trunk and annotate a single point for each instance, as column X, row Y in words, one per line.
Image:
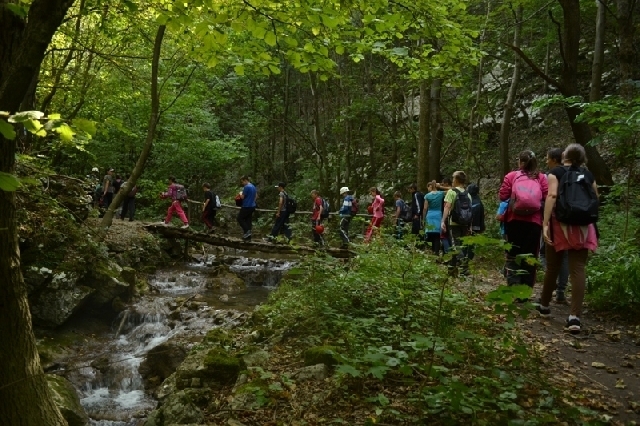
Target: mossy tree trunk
column 25, row 398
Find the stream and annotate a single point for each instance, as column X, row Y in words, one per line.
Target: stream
column 186, row 302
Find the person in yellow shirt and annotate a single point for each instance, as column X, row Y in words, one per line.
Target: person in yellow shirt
column 456, row 221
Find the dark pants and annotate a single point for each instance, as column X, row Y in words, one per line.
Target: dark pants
column 317, row 238
column 399, row 228
column 461, row 253
column 415, row 225
column 208, row 216
column 525, row 239
column 434, row 239
column 281, row 225
column 128, row 206
column 245, row 217
column 345, row 221
column 107, row 199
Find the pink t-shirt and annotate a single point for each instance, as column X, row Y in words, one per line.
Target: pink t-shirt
column 505, row 195
column 378, row 207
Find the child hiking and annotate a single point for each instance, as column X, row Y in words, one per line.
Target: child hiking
column 209, row 207
column 316, row 218
column 282, row 216
column 377, row 209
column 347, row 211
column 177, row 193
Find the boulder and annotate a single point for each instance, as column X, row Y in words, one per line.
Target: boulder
column 35, row 277
column 321, row 355
column 256, row 359
column 312, row 372
column 59, row 300
column 160, row 362
column 179, row 408
column 213, row 367
column 67, row 401
column 108, row 282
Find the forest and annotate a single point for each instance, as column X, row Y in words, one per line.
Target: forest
column 315, row 96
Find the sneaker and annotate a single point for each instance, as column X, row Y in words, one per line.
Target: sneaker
column 573, row 325
column 161, row 223
column 247, row 235
column 544, row 312
column 560, row 298
column 185, row 226
column 268, row 239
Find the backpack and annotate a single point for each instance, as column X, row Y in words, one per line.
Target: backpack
column 218, row 203
column 326, row 208
column 405, row 212
column 181, row 192
column 477, row 222
column 133, row 191
column 290, row 204
column 355, row 207
column 462, row 213
column 526, row 195
column 577, row 202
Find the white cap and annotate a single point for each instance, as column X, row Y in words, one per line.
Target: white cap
column 95, row 169
column 344, row 189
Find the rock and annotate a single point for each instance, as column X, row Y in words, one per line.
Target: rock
column 224, row 298
column 161, row 362
column 53, row 306
column 154, row 418
column 218, row 337
column 321, row 355
column 233, row 422
column 101, row 364
column 214, row 367
column 256, row 359
column 312, row 372
column 129, row 276
column 36, row 277
column 118, row 305
column 245, row 401
column 179, row 408
column 67, row 401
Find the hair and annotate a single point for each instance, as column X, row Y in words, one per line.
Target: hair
column 315, row 192
column 575, row 154
column 529, row 163
column 206, row 185
column 447, row 181
column 432, row 185
column 397, row 194
column 374, row 189
column 413, row 186
column 172, row 178
column 555, row 154
column 245, row 177
column 460, row 176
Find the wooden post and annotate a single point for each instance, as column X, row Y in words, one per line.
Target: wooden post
column 186, row 240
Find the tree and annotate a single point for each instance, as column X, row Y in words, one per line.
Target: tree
column 24, row 395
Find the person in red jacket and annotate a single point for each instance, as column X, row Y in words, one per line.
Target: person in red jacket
column 316, row 218
column 176, row 206
column 377, row 210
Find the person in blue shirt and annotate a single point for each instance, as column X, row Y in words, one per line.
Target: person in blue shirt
column 502, row 210
column 346, row 213
column 245, row 216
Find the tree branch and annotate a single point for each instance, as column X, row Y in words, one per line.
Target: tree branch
column 559, row 27
column 537, row 69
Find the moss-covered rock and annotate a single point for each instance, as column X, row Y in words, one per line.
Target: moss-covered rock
column 180, row 408
column 67, row 401
column 326, row 355
column 208, row 368
column 222, row 367
column 218, row 337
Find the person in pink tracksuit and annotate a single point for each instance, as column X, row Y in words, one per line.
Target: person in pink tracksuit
column 176, row 206
column 377, row 211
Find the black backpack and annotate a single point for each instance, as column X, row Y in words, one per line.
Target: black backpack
column 462, row 212
column 290, row 204
column 405, row 212
column 577, row 202
column 326, row 208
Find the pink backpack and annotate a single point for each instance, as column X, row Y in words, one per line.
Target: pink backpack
column 526, row 195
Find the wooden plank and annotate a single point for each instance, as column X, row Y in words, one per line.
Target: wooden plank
column 237, row 243
column 227, row 206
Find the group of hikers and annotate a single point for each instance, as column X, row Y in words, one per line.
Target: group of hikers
column 108, row 187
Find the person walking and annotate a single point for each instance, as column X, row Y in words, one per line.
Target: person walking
column 316, row 218
column 282, row 216
column 477, row 210
column 107, row 189
column 129, row 204
column 248, row 196
column 346, row 213
column 177, row 193
column 525, row 189
column 417, row 204
column 377, row 210
column 576, row 239
column 456, row 221
column 554, row 159
column 208, row 215
column 433, row 206
column 400, row 207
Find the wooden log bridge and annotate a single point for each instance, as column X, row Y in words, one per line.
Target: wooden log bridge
column 237, row 243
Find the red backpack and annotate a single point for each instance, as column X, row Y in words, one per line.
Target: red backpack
column 526, row 195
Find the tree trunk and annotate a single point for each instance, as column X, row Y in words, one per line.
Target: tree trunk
column 151, row 131
column 436, row 130
column 317, row 135
column 25, row 398
column 626, row 31
column 507, row 111
column 423, row 138
column 598, row 54
column 569, row 83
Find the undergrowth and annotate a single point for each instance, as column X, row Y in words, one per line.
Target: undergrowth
column 411, row 345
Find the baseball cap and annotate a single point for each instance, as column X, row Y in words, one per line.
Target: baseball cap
column 111, row 170
column 95, row 169
column 344, row 189
column 282, row 184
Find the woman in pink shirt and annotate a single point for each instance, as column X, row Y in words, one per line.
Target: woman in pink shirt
column 378, row 213
column 525, row 189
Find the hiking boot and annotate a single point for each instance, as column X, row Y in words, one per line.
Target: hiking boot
column 544, row 312
column 247, row 235
column 185, row 226
column 573, row 325
column 560, row 298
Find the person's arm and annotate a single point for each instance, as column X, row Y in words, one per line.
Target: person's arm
column 505, row 189
column 397, row 213
column 206, row 203
column 106, row 186
column 549, row 204
column 319, row 209
column 425, row 207
column 242, row 192
column 280, row 202
column 445, row 216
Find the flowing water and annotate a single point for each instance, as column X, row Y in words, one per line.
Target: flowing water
column 105, row 369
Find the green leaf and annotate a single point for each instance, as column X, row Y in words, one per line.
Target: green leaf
column 21, row 11
column 65, row 132
column 7, row 130
column 270, row 39
column 23, row 116
column 85, row 125
column 239, row 69
column 340, row 49
column 274, row 69
column 348, row 369
column 8, row 182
